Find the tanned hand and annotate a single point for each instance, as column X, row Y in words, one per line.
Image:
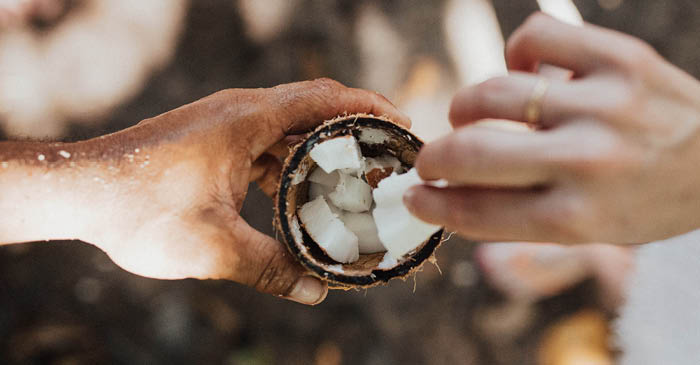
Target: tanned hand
column 162, row 198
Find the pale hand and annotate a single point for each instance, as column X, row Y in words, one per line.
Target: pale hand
column 615, row 159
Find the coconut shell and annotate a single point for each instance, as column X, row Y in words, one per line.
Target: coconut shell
column 376, row 136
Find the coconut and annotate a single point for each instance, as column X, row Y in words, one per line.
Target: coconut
column 355, row 153
column 324, row 226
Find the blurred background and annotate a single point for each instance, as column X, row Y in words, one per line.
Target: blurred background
column 76, row 69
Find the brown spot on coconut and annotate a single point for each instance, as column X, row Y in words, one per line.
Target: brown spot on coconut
column 379, row 168
column 382, row 145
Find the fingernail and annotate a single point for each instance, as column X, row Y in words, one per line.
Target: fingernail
column 308, row 290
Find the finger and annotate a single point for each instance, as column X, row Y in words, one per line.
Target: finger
column 304, row 104
column 480, row 214
column 482, row 156
column 507, row 97
column 298, row 107
column 543, row 215
column 266, row 172
column 543, row 39
column 264, row 264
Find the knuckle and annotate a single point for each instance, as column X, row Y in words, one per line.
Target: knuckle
column 602, row 155
column 530, row 29
column 637, row 56
column 306, row 91
column 326, row 90
column 619, row 106
column 535, row 20
column 326, row 83
column 590, row 162
column 494, row 86
column 273, row 272
column 624, row 104
column 594, row 164
column 642, row 48
column 485, row 93
column 467, row 148
column 274, row 279
column 248, row 97
column 381, row 98
column 566, row 218
column 222, row 95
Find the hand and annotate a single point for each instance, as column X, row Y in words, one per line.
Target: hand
column 615, row 158
column 162, row 198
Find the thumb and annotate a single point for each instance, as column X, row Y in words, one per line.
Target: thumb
column 265, row 265
column 299, row 107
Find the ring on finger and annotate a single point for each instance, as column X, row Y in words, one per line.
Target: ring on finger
column 533, row 109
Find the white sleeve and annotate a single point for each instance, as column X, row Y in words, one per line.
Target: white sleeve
column 660, row 321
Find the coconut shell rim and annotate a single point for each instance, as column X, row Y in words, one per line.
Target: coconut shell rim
column 377, row 276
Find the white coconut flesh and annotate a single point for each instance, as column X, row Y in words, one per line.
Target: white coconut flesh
column 328, row 231
column 352, row 194
column 399, row 231
column 347, row 218
column 337, row 153
column 321, row 177
column 382, row 163
column 363, row 226
column 316, row 190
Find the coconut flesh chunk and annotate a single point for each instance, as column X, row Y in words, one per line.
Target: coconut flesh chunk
column 338, row 153
column 321, row 177
column 399, row 231
column 316, row 190
column 321, row 183
column 351, row 194
column 363, row 226
column 326, row 229
column 382, row 162
column 378, row 168
column 352, row 172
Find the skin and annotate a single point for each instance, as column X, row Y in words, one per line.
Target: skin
column 613, row 159
column 162, row 198
column 15, row 13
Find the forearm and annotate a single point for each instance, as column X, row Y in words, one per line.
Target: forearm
column 61, row 190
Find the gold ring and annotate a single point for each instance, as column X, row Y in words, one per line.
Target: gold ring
column 533, row 110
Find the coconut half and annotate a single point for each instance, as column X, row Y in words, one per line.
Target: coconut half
column 345, row 151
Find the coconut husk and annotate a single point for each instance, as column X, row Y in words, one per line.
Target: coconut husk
column 376, row 136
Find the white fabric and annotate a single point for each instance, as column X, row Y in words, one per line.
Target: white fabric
column 660, row 322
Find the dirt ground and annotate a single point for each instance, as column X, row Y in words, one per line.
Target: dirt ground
column 66, row 303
